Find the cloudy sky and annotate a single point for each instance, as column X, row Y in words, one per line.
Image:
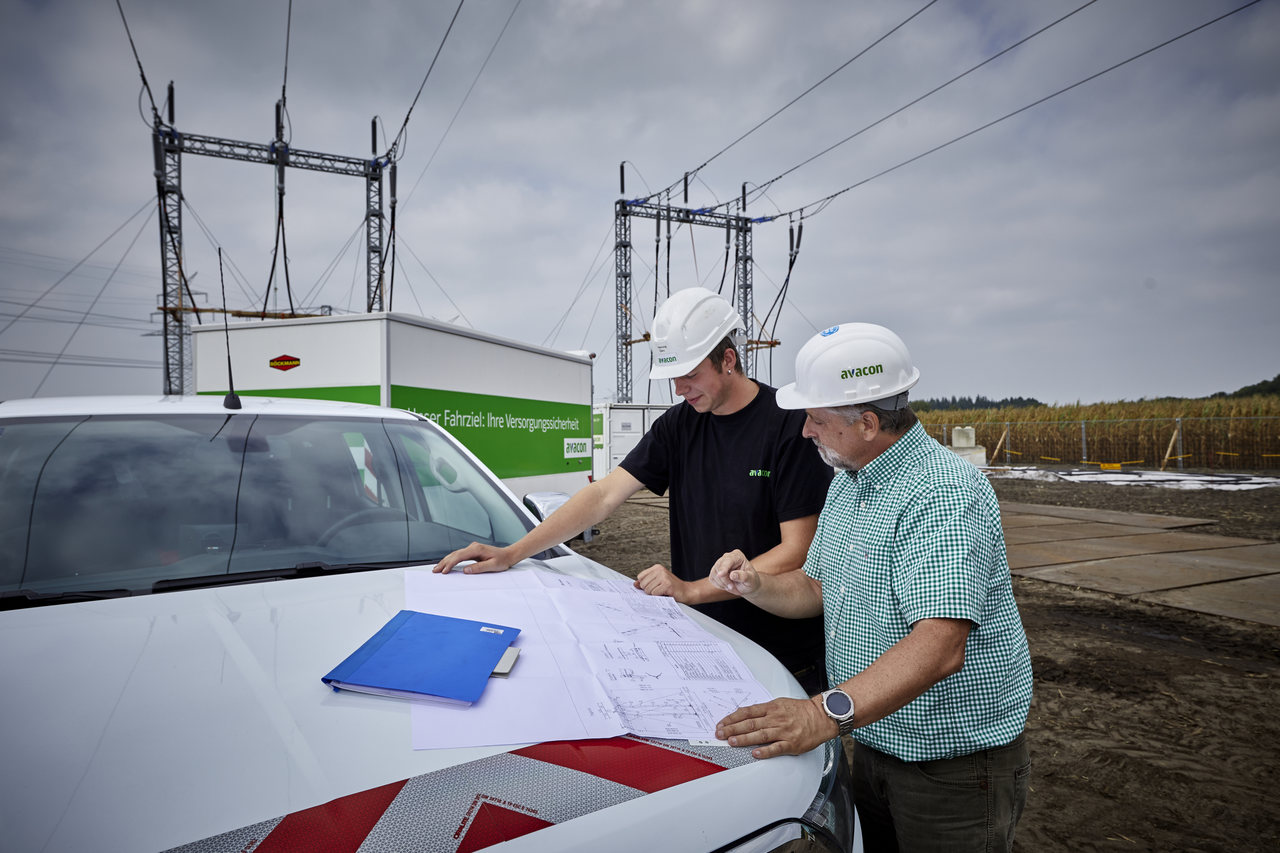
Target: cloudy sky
column 1118, row 241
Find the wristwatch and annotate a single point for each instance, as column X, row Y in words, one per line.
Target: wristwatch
column 839, row 707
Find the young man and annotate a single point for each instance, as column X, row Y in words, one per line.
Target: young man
column 738, row 472
column 926, row 653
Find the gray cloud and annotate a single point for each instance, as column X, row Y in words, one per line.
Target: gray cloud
column 1115, row 242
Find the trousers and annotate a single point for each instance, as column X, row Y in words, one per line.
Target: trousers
column 967, row 803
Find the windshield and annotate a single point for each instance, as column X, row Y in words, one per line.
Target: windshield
column 96, row 503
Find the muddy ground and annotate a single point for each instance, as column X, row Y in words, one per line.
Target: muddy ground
column 1152, row 728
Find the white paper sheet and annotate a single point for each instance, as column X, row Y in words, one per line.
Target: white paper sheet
column 597, row 659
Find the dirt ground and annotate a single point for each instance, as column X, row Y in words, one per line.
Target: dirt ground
column 1152, row 728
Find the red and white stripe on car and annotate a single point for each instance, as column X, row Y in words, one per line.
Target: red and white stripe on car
column 480, row 803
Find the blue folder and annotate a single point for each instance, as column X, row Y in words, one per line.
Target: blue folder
column 425, row 656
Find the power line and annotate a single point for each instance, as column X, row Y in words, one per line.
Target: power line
column 465, row 98
column 405, row 124
column 81, row 324
column 792, row 102
column 821, row 204
column 400, row 262
column 38, row 261
column 761, row 188
column 76, row 266
column 126, row 323
column 435, row 281
column 239, row 276
column 604, row 288
column 332, row 266
column 288, row 32
column 592, row 271
column 155, row 113
column 25, row 356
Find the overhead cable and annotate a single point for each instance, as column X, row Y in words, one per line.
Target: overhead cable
column 127, row 323
column 395, row 144
column 592, row 271
column 155, row 113
column 794, row 237
column 405, row 274
column 284, row 83
column 465, row 98
column 793, row 101
column 239, row 276
column 332, row 267
column 437, row 283
column 281, row 241
column 92, row 305
column 26, row 356
column 604, row 288
column 37, row 261
column 288, row 31
column 76, row 266
column 822, row 203
column 761, row 188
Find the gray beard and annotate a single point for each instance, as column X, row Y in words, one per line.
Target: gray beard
column 835, row 460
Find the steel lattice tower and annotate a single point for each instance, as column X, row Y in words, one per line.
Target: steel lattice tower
column 169, row 146
column 741, row 227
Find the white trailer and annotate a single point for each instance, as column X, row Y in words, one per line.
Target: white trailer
column 616, row 428
column 524, row 410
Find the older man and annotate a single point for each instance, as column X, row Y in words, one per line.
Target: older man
column 926, row 653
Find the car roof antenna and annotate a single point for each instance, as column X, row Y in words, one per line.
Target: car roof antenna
column 231, row 401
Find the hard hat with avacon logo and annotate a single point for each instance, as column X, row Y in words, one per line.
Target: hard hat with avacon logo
column 848, row 364
column 687, row 327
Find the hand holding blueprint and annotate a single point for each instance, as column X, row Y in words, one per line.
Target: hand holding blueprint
column 598, row 659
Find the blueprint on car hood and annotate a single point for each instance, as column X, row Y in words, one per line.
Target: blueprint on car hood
column 598, row 658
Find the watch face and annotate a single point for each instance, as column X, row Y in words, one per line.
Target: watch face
column 838, row 704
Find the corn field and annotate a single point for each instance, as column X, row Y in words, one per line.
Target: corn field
column 1241, row 434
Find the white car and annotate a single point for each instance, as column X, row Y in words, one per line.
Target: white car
column 175, row 578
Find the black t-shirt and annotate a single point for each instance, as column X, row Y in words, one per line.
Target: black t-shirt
column 733, row 480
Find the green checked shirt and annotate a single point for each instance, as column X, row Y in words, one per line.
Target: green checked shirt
column 914, row 535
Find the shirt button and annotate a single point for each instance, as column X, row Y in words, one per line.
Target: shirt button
column 832, row 634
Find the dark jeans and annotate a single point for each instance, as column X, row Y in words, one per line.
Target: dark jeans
column 971, row 802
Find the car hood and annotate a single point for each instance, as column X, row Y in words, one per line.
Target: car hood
column 157, row 721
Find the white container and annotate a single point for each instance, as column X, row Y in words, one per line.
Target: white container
column 524, row 410
column 616, row 429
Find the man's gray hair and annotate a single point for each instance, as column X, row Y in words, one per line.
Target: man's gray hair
column 892, row 421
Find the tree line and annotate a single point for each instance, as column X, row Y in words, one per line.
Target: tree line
column 943, row 404
column 966, row 403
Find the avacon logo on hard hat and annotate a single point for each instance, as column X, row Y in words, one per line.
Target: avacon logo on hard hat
column 855, row 372
column 666, row 359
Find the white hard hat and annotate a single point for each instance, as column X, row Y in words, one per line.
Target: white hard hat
column 687, row 327
column 851, row 363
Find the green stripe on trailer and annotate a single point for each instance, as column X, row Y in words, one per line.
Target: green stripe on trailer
column 515, row 437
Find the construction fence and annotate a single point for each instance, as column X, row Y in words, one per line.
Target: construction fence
column 1218, row 443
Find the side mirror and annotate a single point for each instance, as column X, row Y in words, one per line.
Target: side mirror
column 542, row 504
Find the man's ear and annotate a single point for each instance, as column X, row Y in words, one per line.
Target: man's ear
column 730, row 360
column 871, row 422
